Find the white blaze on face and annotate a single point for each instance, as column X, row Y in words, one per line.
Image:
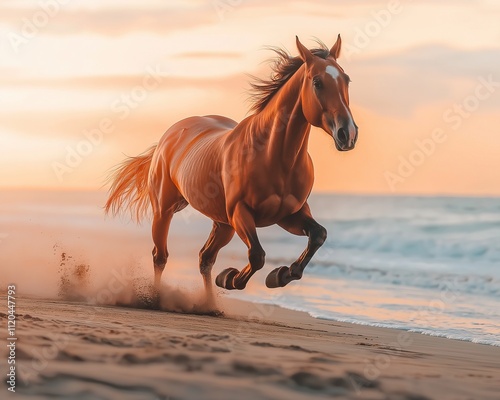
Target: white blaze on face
column 333, row 72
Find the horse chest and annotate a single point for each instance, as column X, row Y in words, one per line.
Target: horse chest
column 273, row 198
column 275, row 207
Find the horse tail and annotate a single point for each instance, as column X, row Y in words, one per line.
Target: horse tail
column 129, row 186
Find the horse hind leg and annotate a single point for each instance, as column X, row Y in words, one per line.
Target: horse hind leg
column 220, row 236
column 168, row 202
column 161, row 224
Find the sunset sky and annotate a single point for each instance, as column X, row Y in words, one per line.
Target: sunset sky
column 425, row 90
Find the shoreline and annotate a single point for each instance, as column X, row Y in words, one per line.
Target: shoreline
column 254, row 351
column 382, row 325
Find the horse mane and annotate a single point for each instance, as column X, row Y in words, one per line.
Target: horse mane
column 283, row 66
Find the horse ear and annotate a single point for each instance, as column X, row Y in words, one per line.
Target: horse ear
column 335, row 50
column 305, row 53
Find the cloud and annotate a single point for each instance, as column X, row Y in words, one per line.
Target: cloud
column 430, row 59
column 113, row 22
column 173, row 99
column 398, row 84
column 161, row 18
column 208, row 54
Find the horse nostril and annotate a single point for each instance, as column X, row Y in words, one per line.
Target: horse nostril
column 343, row 136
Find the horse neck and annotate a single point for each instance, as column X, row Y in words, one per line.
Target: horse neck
column 283, row 124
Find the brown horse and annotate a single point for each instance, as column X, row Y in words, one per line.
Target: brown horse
column 245, row 175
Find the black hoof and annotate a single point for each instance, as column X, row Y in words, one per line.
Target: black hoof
column 225, row 279
column 278, row 277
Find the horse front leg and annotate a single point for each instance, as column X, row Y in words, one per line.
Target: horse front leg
column 243, row 223
column 302, row 224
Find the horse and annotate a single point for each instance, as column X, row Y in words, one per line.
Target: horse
column 245, row 175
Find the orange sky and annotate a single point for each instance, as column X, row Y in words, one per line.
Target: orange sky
column 425, row 91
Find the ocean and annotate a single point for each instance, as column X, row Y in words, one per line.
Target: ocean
column 423, row 264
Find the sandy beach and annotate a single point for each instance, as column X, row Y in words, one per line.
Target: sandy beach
column 73, row 350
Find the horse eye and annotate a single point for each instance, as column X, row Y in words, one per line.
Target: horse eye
column 317, row 83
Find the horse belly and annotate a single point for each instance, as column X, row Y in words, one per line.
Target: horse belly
column 198, row 178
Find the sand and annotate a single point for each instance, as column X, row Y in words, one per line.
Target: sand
column 76, row 350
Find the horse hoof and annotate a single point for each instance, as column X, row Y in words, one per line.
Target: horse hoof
column 215, row 313
column 276, row 278
column 225, row 278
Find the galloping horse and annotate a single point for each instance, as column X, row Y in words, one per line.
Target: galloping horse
column 245, row 175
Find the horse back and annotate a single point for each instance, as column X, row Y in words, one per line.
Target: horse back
column 190, row 133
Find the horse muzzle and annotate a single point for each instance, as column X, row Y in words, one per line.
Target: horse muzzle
column 345, row 138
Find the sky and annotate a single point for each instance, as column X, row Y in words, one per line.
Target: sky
column 85, row 82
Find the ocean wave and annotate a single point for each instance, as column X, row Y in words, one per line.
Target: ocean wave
column 468, row 242
column 460, row 283
column 424, row 277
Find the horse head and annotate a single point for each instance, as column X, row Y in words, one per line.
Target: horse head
column 325, row 96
